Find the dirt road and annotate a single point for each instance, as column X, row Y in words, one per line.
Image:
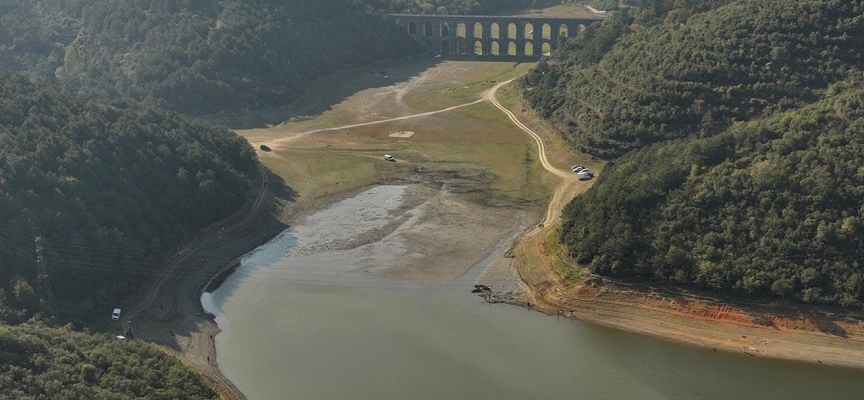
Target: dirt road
column 295, row 136
column 762, row 330
column 170, row 313
column 568, row 187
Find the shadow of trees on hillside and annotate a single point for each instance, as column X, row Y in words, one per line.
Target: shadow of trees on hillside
column 322, row 94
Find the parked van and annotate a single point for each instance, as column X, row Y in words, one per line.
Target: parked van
column 584, row 175
column 116, row 314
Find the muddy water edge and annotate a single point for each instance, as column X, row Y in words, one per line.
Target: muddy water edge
column 370, row 298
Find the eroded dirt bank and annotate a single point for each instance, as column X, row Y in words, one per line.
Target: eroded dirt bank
column 168, row 312
column 551, row 284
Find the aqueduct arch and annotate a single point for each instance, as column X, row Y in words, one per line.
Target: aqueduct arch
column 472, row 35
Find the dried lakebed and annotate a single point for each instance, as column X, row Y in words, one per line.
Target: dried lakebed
column 370, row 299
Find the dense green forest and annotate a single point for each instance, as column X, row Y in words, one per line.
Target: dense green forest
column 109, row 187
column 772, row 207
column 41, row 362
column 193, row 56
column 680, row 69
column 740, row 127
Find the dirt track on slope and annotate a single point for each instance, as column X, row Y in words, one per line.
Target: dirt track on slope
column 779, row 331
column 183, row 328
column 169, row 312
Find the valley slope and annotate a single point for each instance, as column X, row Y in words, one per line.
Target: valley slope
column 195, row 57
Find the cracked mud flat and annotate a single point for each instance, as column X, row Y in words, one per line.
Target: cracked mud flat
column 398, row 234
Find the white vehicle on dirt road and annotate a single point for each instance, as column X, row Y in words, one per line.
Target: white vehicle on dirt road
column 388, row 157
column 116, row 314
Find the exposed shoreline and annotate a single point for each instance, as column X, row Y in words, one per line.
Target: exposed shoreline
column 184, row 329
column 706, row 325
column 702, row 324
column 204, row 358
column 169, row 312
column 764, row 330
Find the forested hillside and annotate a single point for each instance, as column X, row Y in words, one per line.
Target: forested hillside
column 192, row 56
column 40, row 362
column 690, row 69
column 449, row 6
column 111, row 188
column 772, row 207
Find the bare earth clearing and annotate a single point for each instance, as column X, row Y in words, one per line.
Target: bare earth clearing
column 473, row 177
column 473, row 182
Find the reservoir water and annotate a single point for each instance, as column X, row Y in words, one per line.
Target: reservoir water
column 305, row 320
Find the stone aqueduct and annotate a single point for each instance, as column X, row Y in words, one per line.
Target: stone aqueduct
column 486, row 36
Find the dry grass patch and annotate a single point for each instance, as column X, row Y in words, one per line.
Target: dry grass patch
column 459, row 82
column 559, row 152
column 473, row 150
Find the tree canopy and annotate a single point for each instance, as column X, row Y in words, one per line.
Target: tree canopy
column 110, row 187
column 193, row 56
column 691, row 69
column 772, row 207
column 734, row 130
column 41, row 362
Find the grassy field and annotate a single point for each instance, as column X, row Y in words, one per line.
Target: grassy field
column 553, row 8
column 474, row 77
column 473, row 150
column 412, row 86
column 560, row 153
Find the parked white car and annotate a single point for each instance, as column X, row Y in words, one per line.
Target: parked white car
column 116, row 314
column 388, row 157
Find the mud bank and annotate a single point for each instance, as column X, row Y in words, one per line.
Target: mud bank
column 816, row 339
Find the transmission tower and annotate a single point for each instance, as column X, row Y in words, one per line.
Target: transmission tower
column 43, row 286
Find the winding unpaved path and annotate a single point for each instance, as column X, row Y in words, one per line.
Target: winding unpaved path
column 298, row 135
column 541, row 147
column 181, row 327
column 568, row 180
column 184, row 330
column 684, row 318
column 529, row 245
column 186, row 253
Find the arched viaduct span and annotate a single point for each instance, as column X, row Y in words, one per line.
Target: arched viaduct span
column 482, row 35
